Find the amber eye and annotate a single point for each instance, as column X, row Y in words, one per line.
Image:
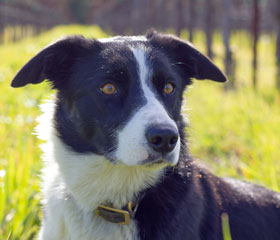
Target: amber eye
column 108, row 89
column 168, row 88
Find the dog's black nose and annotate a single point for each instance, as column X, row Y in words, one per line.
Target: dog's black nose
column 162, row 138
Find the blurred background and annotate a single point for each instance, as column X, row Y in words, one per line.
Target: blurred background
column 234, row 127
column 21, row 18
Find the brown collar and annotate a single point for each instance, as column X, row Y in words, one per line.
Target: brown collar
column 119, row 216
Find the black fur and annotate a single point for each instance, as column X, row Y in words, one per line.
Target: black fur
column 189, row 203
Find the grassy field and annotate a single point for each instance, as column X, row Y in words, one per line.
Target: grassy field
column 235, row 133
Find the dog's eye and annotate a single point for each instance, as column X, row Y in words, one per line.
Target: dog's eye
column 168, row 88
column 108, row 89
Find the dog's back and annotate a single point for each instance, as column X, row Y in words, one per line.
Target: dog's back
column 189, row 204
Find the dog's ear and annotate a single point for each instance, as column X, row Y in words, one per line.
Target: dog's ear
column 54, row 62
column 188, row 59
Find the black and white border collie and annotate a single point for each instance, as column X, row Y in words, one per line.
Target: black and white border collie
column 116, row 162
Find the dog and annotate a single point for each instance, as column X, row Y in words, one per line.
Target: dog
column 117, row 164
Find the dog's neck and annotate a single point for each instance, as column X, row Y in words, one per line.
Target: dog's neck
column 92, row 180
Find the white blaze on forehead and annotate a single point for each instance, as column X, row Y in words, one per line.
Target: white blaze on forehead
column 122, row 39
column 132, row 144
column 153, row 106
column 143, row 68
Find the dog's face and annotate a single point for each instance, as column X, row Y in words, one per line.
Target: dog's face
column 120, row 97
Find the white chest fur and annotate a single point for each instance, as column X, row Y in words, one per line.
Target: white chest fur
column 66, row 222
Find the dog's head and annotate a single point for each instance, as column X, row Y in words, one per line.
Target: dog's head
column 120, row 97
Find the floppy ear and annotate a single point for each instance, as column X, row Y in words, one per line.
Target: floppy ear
column 53, row 62
column 188, row 59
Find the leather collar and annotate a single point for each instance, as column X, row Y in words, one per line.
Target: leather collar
column 119, row 216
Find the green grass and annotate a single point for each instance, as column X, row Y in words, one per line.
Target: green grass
column 235, row 133
column 226, row 227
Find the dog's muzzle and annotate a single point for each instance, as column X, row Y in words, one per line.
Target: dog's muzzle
column 162, row 138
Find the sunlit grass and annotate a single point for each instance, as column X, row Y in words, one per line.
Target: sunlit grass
column 236, row 133
column 225, row 226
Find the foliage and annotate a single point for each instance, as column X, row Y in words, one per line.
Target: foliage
column 79, row 10
column 235, row 133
